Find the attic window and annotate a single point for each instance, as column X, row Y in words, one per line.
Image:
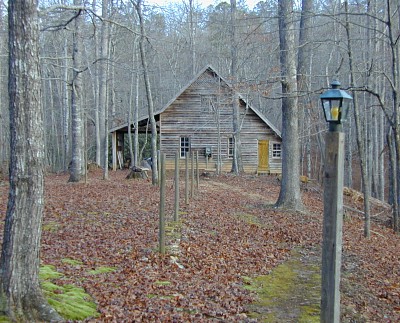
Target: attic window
column 184, row 146
column 276, row 150
column 208, row 102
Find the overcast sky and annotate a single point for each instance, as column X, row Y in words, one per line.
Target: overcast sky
column 204, row 3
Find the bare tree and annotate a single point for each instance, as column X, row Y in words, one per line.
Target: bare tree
column 359, row 130
column 103, row 104
column 20, row 294
column 237, row 165
column 134, row 147
column 150, row 103
column 289, row 196
column 76, row 166
column 304, row 75
column 192, row 35
column 393, row 28
column 102, row 149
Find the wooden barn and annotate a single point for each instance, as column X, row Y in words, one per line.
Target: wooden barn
column 200, row 119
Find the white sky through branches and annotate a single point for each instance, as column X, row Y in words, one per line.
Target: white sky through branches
column 203, row 3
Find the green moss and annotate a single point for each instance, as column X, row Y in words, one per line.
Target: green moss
column 4, row 318
column 309, row 314
column 72, row 262
column 162, row 283
column 71, row 302
column 278, row 284
column 50, row 226
column 101, row 270
column 291, row 292
column 47, row 272
column 49, row 286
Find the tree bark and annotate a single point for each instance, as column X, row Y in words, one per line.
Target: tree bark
column 103, row 117
column 66, row 109
column 366, row 186
column 76, row 166
column 395, row 71
column 192, row 35
column 154, row 173
column 289, row 196
column 304, row 58
column 133, row 145
column 20, row 293
column 393, row 180
column 237, row 164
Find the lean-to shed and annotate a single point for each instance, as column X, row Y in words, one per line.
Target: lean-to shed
column 200, row 119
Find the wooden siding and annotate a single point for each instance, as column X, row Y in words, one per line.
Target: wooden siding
column 194, row 113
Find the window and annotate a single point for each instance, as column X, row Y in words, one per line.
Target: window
column 231, row 147
column 184, row 146
column 276, row 150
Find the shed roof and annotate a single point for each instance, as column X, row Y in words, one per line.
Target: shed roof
column 143, row 120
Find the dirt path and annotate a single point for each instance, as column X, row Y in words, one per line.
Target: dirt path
column 210, row 184
column 291, row 292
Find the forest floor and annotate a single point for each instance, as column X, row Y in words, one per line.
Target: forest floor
column 232, row 257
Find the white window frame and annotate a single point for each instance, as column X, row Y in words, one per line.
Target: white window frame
column 184, row 146
column 231, row 147
column 276, row 150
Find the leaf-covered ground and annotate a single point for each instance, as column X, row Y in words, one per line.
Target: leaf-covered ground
column 103, row 236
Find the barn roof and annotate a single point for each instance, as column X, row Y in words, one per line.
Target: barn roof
column 208, row 68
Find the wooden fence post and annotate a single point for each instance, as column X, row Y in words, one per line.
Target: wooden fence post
column 186, row 178
column 192, row 177
column 176, row 213
column 197, row 170
column 159, row 166
column 162, row 205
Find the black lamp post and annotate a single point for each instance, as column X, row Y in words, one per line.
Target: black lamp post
column 335, row 104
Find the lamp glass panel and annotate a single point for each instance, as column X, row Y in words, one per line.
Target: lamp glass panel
column 335, row 110
column 327, row 109
column 332, row 110
column 345, row 109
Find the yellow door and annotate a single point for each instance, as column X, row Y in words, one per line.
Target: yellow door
column 263, row 149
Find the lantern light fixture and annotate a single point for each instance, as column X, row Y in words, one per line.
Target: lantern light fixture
column 335, row 104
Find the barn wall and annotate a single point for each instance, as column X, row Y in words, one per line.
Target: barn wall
column 194, row 113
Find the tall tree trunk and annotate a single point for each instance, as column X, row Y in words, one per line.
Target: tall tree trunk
column 237, row 164
column 76, row 166
column 393, row 180
column 153, row 125
column 103, row 117
column 366, row 186
column 137, row 156
column 395, row 71
column 21, row 298
column 102, row 100
column 96, row 85
column 192, row 36
column 133, row 146
column 289, row 196
column 4, row 136
column 66, row 109
column 304, row 75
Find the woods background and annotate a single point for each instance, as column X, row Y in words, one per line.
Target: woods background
column 92, row 73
